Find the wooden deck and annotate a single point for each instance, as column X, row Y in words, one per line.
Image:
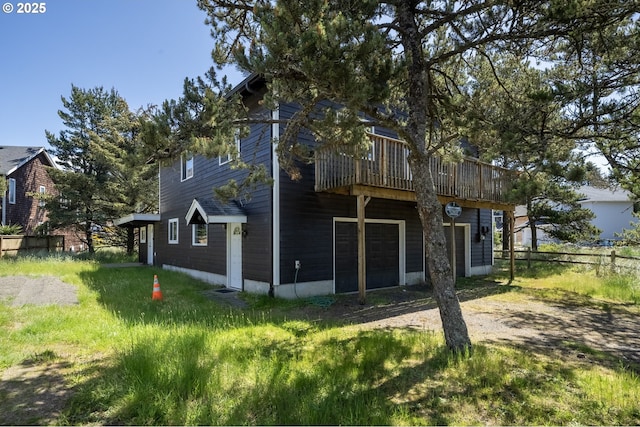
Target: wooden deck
column 384, row 172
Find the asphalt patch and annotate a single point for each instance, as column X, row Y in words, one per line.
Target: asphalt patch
column 37, row 290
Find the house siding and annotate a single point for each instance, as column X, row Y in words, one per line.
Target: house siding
column 481, row 250
column 307, row 225
column 611, row 217
column 176, row 198
column 26, row 211
column 306, row 220
column 307, row 230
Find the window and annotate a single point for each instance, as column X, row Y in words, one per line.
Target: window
column 42, row 191
column 143, row 234
column 187, row 166
column 199, row 234
column 173, row 231
column 12, row 191
column 227, row 158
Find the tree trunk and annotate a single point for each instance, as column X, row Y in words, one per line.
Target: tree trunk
column 534, row 234
column 88, row 233
column 506, row 231
column 435, row 245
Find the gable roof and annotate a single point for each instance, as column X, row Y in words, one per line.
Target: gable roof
column 12, row 157
column 593, row 194
column 209, row 211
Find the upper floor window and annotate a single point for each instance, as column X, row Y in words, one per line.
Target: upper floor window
column 42, row 191
column 228, row 157
column 186, row 166
column 12, row 191
column 199, row 234
column 173, row 231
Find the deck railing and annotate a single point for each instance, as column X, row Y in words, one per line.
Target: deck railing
column 386, row 165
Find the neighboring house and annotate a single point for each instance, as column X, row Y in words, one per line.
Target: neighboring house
column 613, row 210
column 522, row 231
column 299, row 238
column 25, row 169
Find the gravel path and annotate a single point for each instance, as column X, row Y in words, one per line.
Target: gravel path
column 564, row 329
column 37, row 290
column 34, row 391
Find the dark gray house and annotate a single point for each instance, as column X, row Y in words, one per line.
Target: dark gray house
column 299, row 238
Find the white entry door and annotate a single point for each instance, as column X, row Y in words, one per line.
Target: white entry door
column 234, row 255
column 150, row 244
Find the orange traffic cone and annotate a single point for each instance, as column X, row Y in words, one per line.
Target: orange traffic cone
column 157, row 293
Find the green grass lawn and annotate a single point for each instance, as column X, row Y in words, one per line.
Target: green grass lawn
column 189, row 360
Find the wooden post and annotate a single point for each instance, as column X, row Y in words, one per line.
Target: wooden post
column 481, row 181
column 613, row 261
column 453, row 248
column 384, row 170
column 362, row 256
column 528, row 258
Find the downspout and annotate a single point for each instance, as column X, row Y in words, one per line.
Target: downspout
column 4, row 201
column 153, row 244
column 275, row 214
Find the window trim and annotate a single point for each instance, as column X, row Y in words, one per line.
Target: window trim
column 223, row 160
column 12, row 188
column 42, row 190
column 194, row 234
column 173, row 222
column 185, row 159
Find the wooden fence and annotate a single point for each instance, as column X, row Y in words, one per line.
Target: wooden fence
column 611, row 258
column 14, row 245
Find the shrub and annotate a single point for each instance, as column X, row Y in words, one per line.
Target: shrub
column 10, row 229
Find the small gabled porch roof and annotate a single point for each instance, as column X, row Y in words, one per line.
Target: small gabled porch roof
column 211, row 211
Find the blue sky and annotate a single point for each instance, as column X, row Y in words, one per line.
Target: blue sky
column 142, row 48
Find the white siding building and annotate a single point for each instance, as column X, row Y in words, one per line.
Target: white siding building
column 613, row 210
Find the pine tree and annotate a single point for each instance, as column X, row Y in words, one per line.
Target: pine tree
column 603, row 76
column 518, row 118
column 385, row 57
column 99, row 180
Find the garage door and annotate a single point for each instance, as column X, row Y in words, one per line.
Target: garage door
column 383, row 255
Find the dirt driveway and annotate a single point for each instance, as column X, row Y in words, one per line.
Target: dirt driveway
column 566, row 328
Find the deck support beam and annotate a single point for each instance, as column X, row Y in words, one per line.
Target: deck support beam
column 452, row 257
column 362, row 202
column 512, row 243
